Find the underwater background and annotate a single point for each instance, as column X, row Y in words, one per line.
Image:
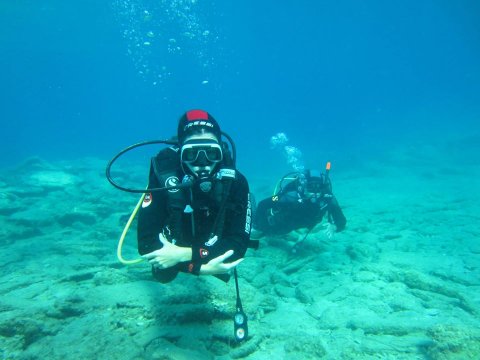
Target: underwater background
column 389, row 92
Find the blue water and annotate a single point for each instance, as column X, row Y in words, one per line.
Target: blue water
column 368, row 85
column 87, row 78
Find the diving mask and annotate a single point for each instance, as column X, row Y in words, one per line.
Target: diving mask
column 198, row 153
column 200, row 156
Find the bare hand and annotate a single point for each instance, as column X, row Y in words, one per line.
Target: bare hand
column 169, row 255
column 217, row 265
column 329, row 230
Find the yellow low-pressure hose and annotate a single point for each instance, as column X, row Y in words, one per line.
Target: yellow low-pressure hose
column 124, row 233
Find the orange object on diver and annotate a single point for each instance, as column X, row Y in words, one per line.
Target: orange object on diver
column 327, row 167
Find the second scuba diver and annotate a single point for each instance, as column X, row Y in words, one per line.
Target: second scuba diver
column 301, row 200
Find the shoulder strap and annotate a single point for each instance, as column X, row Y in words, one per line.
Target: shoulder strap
column 220, row 219
column 165, row 168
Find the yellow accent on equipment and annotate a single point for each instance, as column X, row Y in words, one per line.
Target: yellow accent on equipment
column 124, row 233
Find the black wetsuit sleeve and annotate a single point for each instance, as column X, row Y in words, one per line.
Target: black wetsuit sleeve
column 335, row 214
column 151, row 218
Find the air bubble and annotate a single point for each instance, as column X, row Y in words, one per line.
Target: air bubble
column 156, row 33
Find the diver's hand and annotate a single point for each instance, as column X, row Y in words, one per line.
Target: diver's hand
column 169, row 255
column 217, row 265
column 330, row 230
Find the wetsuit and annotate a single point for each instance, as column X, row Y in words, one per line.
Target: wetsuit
column 292, row 208
column 169, row 212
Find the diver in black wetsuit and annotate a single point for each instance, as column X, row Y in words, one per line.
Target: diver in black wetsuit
column 203, row 228
column 300, row 203
column 195, row 216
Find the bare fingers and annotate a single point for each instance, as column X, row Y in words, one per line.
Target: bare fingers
column 232, row 265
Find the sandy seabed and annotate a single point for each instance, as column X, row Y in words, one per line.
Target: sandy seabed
column 401, row 282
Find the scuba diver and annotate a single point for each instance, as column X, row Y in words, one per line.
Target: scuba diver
column 203, row 228
column 196, row 215
column 300, row 200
